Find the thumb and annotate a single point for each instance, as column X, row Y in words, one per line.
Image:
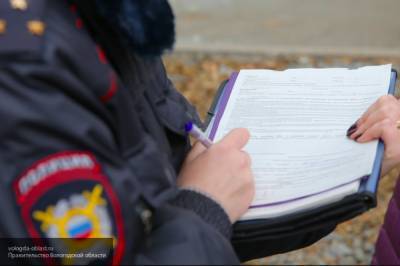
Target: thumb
column 196, row 150
column 237, row 138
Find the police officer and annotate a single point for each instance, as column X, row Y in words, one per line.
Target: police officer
column 92, row 143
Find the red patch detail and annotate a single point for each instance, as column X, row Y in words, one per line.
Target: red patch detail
column 79, row 23
column 64, row 176
column 83, row 236
column 101, row 54
column 49, row 166
column 112, row 89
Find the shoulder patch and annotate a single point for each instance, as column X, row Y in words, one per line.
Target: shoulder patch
column 66, row 196
column 21, row 25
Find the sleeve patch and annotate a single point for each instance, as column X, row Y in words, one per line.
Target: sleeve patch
column 45, row 170
column 66, row 196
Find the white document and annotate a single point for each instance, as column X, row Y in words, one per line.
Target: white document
column 302, row 204
column 298, row 120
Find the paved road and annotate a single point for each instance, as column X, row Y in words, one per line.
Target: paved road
column 365, row 27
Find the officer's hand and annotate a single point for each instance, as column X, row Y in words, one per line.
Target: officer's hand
column 223, row 172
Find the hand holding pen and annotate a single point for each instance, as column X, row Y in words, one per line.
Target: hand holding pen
column 222, row 172
column 198, row 134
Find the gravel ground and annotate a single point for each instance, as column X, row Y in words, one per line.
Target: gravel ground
column 197, row 76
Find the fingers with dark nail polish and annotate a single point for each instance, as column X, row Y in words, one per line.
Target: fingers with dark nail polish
column 351, row 130
column 357, row 137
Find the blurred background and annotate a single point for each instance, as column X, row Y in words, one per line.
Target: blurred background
column 216, row 37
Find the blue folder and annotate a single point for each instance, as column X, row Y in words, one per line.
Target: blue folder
column 369, row 186
column 264, row 237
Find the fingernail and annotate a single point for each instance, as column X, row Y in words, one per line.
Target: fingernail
column 351, row 130
column 357, row 137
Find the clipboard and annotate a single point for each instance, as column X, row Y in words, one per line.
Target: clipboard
column 264, row 237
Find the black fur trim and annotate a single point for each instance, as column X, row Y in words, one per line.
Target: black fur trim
column 147, row 25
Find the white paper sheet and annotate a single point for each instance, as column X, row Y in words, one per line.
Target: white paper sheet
column 302, row 204
column 298, row 120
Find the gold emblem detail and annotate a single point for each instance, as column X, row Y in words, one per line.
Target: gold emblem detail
column 36, row 27
column 3, row 26
column 19, row 4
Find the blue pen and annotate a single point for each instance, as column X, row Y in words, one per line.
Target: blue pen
column 198, row 134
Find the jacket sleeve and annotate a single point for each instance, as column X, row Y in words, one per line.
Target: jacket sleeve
column 63, row 175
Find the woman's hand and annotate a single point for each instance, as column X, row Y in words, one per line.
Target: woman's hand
column 381, row 121
column 223, row 172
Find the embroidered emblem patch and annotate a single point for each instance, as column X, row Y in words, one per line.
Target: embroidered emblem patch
column 80, row 216
column 66, row 196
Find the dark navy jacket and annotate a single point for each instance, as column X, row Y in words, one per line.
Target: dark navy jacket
column 91, row 141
